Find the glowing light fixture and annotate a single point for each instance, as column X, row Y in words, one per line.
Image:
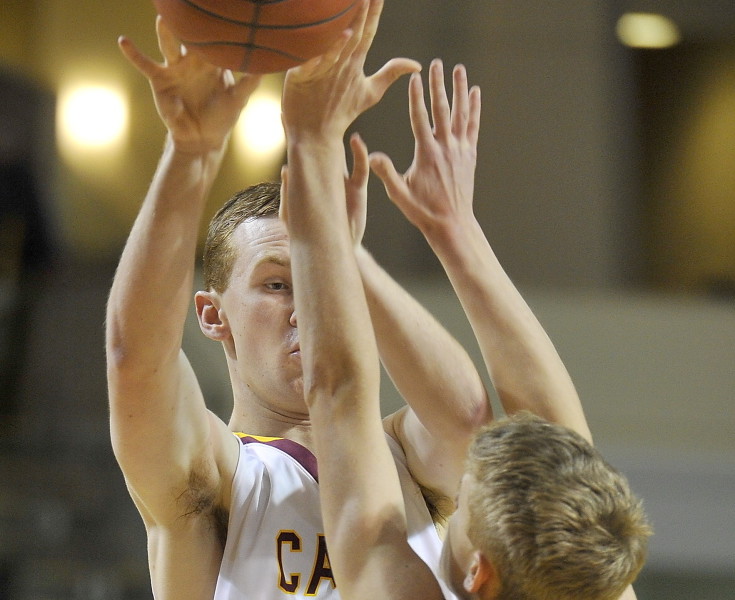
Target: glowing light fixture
column 259, row 132
column 647, row 30
column 91, row 117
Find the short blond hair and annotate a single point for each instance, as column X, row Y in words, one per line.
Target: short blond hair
column 554, row 518
column 259, row 200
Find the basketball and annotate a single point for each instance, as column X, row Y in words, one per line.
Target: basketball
column 257, row 36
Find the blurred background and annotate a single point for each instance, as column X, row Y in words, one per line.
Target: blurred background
column 606, row 185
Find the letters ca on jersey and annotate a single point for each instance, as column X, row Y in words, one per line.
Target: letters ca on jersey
column 289, row 546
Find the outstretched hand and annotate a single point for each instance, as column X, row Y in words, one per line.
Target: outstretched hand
column 198, row 102
column 326, row 94
column 438, row 186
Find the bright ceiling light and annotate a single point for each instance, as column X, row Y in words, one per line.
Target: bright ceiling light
column 91, row 117
column 259, row 131
column 647, row 30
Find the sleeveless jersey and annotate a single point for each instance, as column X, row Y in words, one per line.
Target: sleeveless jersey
column 275, row 547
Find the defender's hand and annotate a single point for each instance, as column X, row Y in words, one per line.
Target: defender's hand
column 325, row 95
column 438, row 186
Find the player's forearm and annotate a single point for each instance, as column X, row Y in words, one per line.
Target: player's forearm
column 151, row 291
column 428, row 366
column 338, row 351
column 339, row 359
column 523, row 363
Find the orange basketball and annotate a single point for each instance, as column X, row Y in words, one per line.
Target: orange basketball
column 257, row 36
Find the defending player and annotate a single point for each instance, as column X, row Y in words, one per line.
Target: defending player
column 593, row 550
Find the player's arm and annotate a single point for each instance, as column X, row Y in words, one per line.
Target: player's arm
column 162, row 433
column 428, row 366
column 362, row 503
column 436, row 195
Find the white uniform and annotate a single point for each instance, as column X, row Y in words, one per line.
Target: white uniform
column 275, row 542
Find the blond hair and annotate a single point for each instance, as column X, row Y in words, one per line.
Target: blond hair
column 555, row 519
column 259, row 200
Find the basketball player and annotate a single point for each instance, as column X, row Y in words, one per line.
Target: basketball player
column 234, row 517
column 540, row 514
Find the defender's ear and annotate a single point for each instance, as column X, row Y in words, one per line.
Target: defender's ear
column 482, row 576
column 212, row 320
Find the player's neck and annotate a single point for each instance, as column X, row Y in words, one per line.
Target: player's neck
column 265, row 421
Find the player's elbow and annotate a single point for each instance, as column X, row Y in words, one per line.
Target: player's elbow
column 137, row 355
column 117, row 348
column 123, row 363
column 117, row 353
column 339, row 381
column 478, row 410
column 359, row 525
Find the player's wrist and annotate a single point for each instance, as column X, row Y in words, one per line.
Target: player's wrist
column 314, row 131
column 191, row 148
column 450, row 232
column 318, row 145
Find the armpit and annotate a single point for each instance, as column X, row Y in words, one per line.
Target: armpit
column 440, row 508
column 201, row 498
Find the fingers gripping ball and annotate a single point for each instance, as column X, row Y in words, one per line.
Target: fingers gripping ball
column 257, row 36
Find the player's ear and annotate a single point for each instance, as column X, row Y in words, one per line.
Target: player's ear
column 482, row 576
column 212, row 320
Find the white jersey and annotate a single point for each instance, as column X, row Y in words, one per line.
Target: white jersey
column 275, row 546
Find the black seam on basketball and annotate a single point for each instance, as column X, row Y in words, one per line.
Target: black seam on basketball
column 246, row 45
column 264, row 2
column 263, row 26
column 250, row 43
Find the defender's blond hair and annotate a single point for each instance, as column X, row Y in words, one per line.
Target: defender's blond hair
column 259, row 200
column 551, row 515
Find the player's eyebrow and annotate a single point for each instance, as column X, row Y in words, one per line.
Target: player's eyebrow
column 276, row 258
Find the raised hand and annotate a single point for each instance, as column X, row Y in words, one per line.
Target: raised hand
column 198, row 102
column 439, row 184
column 326, row 94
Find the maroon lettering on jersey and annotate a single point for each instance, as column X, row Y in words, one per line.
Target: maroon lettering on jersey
column 290, row 583
column 322, row 568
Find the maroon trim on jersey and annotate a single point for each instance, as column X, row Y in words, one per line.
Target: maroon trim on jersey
column 299, row 453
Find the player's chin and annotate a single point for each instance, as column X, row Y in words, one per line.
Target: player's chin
column 297, row 385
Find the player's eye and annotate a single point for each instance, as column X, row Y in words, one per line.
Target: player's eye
column 277, row 286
